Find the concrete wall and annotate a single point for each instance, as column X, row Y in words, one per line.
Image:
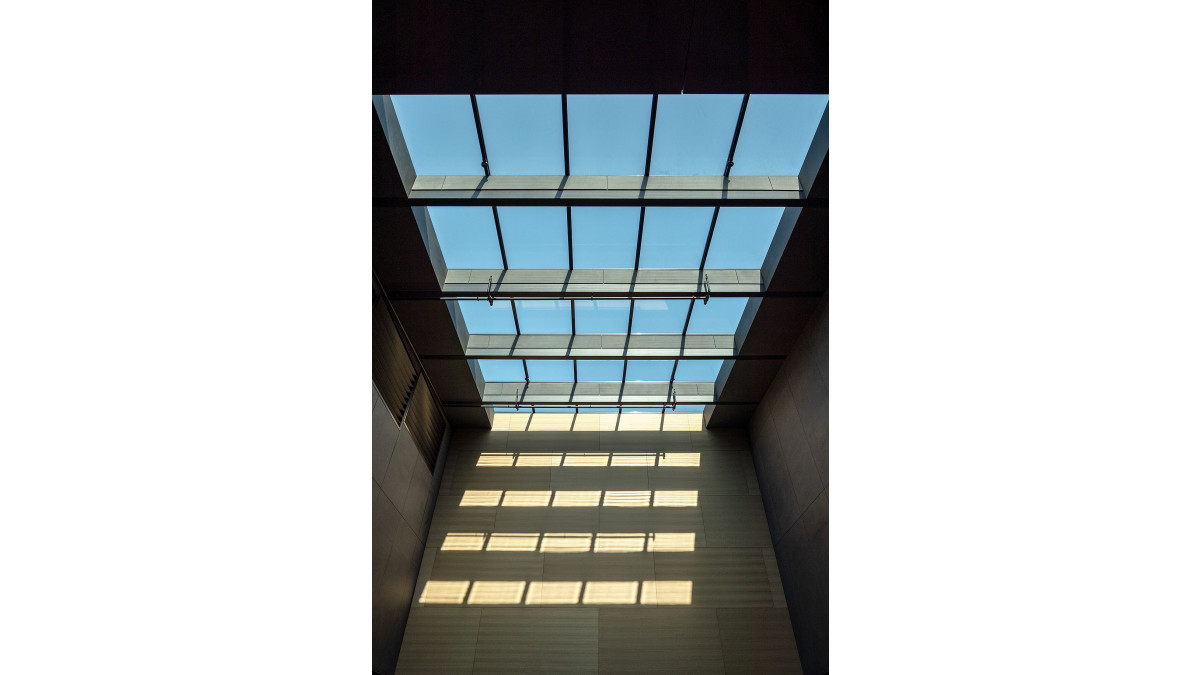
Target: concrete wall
column 789, row 439
column 403, row 490
column 601, row 552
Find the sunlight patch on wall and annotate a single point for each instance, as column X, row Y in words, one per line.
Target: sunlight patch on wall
column 668, row 459
column 571, row 542
column 581, row 498
column 651, row 592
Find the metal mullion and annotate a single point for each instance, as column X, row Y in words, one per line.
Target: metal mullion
column 566, row 144
column 526, row 368
column 712, row 227
column 516, row 322
column 570, row 244
column 487, row 171
column 500, row 237
column 621, row 391
column 572, row 318
column 686, row 320
column 736, row 132
column 671, row 385
column 637, row 258
column 650, row 136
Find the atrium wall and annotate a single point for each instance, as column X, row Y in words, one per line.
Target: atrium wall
column 599, row 551
column 402, row 493
column 789, row 439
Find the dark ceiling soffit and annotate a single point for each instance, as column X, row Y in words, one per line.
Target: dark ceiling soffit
column 555, row 47
column 586, row 404
column 607, row 357
column 400, row 294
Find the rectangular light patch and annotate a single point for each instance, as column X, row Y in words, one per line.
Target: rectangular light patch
column 513, row 542
column 679, row 459
column 481, row 498
column 633, row 459
column 553, row 592
column 444, row 592
column 610, row 593
column 539, row 459
column 676, row 497
column 496, row 593
column 577, row 498
column 567, row 543
column 628, row 498
column 620, row 543
column 463, row 541
column 671, row 542
column 666, row 593
column 495, row 459
column 586, row 459
column 526, row 498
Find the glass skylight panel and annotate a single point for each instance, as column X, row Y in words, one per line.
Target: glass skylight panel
column 550, row 371
column 467, row 236
column 440, row 134
column 692, row 134
column 673, row 236
column 698, row 370
column 535, row 237
column 544, row 316
column 484, row 319
column 719, row 317
column 608, row 134
column 502, row 370
column 776, row 133
column 523, row 134
column 604, row 236
column 659, row 316
column 600, row 371
column 742, row 237
column 601, row 316
column 649, row 371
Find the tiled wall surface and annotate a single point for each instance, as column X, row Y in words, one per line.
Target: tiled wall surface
column 599, row 552
column 789, row 437
column 402, row 492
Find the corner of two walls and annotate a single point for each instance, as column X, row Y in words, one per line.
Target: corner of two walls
column 789, row 440
column 403, row 490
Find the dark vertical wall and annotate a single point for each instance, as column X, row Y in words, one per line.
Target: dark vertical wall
column 789, row 440
column 403, row 489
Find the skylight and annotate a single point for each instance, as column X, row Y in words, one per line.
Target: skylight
column 692, row 134
column 440, row 134
column 608, row 134
column 544, row 316
column 523, row 134
column 673, row 237
column 776, row 134
column 605, row 236
column 719, row 317
column 466, row 236
column 624, row 250
column 535, row 237
column 601, row 316
column 742, row 236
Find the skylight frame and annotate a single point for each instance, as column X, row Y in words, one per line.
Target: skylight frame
column 701, row 269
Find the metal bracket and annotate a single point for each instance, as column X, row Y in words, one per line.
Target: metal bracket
column 490, row 298
column 707, row 289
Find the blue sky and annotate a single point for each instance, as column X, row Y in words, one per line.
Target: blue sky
column 607, row 135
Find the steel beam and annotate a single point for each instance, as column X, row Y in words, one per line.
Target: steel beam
column 578, row 190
